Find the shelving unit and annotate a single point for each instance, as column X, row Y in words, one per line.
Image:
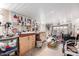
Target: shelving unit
column 8, row 51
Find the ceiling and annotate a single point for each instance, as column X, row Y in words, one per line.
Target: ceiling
column 47, row 12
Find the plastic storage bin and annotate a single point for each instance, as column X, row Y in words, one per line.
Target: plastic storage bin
column 39, row 44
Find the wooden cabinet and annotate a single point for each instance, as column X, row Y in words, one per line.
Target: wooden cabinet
column 26, row 43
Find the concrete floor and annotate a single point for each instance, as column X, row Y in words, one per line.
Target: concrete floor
column 45, row 51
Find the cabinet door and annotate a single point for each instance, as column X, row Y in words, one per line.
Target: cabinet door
column 23, row 45
column 30, row 42
column 27, row 44
column 33, row 41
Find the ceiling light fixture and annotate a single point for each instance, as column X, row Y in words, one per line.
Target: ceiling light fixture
column 2, row 5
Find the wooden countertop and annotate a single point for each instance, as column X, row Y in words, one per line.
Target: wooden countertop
column 21, row 35
column 26, row 34
column 29, row 33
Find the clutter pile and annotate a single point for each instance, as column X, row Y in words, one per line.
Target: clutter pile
column 53, row 43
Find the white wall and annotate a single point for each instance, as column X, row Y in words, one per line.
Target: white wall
column 64, row 17
column 41, row 19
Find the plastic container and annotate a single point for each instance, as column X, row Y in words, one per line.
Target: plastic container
column 2, row 46
column 39, row 44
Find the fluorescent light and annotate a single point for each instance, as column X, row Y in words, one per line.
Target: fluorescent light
column 1, row 18
column 2, row 5
column 77, row 21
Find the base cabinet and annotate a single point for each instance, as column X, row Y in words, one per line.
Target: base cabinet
column 26, row 43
